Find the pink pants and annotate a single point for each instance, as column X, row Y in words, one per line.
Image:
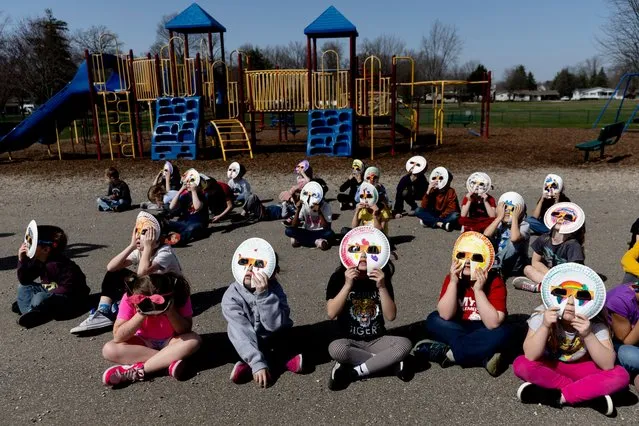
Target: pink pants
column 578, row 381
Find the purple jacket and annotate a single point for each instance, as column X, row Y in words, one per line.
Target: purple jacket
column 59, row 275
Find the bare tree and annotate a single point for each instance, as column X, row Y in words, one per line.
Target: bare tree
column 96, row 38
column 330, row 61
column 384, row 47
column 7, row 63
column 440, row 50
column 620, row 40
column 162, row 37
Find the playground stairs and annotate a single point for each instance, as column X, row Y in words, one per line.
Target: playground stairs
column 117, row 110
column 231, row 135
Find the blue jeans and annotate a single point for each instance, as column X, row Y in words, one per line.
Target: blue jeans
column 512, row 259
column 34, row 296
column 537, row 226
column 431, row 217
column 106, row 204
column 628, row 358
column 188, row 230
column 307, row 238
column 471, row 342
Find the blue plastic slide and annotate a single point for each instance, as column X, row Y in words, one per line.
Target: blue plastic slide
column 70, row 103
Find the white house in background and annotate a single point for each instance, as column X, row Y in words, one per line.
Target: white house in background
column 592, row 93
column 502, row 96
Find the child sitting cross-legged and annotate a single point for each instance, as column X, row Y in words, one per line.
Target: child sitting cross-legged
column 478, row 208
column 118, row 196
column 439, row 208
column 153, row 330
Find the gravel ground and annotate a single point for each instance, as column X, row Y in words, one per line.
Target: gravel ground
column 52, row 376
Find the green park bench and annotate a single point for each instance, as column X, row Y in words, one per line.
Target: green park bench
column 462, row 119
column 609, row 135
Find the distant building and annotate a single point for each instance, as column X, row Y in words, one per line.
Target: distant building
column 527, row 95
column 594, row 93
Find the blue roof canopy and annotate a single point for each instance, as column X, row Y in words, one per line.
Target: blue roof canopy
column 194, row 20
column 331, row 24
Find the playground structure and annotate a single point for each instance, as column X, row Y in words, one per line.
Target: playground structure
column 625, row 82
column 192, row 99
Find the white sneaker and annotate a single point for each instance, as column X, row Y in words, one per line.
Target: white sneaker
column 95, row 321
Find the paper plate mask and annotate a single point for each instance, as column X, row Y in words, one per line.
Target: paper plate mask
column 567, row 217
column 147, row 221
column 256, row 253
column 440, row 174
column 31, row 238
column 367, row 242
column 478, row 183
column 192, row 177
column 234, row 170
column 578, row 281
column 302, row 165
column 553, row 184
column 367, row 194
column 510, row 200
column 357, row 165
column 416, row 164
column 312, row 194
column 476, row 248
column 168, row 168
column 371, row 173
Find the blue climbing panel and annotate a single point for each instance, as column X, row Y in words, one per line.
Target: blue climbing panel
column 330, row 132
column 176, row 126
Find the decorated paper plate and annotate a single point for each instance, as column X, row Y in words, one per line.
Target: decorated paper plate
column 578, row 281
column 567, row 217
column 312, row 194
column 440, row 174
column 364, row 240
column 145, row 221
column 192, row 177
column 367, row 194
column 478, row 183
column 302, row 165
column 233, row 170
column 168, row 168
column 416, row 164
column 357, row 165
column 371, row 171
column 553, row 184
column 31, row 238
column 255, row 252
column 476, row 248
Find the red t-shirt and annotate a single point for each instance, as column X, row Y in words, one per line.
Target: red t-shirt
column 495, row 292
column 477, row 206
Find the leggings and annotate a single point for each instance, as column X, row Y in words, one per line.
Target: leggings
column 377, row 354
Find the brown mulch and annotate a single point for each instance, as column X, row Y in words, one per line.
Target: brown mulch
column 511, row 148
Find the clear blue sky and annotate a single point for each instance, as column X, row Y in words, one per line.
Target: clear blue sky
column 544, row 35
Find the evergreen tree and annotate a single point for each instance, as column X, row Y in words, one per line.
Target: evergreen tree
column 565, row 83
column 531, row 83
column 479, row 74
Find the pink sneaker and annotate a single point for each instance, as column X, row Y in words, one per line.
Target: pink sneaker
column 240, row 373
column 121, row 374
column 295, row 364
column 176, row 369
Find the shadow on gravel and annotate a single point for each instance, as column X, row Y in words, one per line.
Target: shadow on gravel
column 204, row 300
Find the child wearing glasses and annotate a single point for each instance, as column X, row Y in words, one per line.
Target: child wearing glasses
column 153, row 330
column 439, row 208
column 348, row 190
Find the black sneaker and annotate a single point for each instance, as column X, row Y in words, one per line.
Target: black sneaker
column 340, row 377
column 432, row 351
column 33, row 318
column 604, row 405
column 448, row 227
column 15, row 308
column 529, row 393
column 404, row 370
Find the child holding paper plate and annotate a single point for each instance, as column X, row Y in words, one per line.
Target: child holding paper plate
column 240, row 187
column 62, row 287
column 478, row 208
column 256, row 309
column 569, row 357
column 468, row 327
column 191, row 208
column 153, row 331
column 439, row 208
column 316, row 215
column 165, row 187
column 411, row 187
column 360, row 297
column 552, row 193
column 369, row 211
column 563, row 244
column 347, row 199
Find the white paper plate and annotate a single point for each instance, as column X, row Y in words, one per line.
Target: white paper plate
column 255, row 252
column 578, row 280
column 364, row 239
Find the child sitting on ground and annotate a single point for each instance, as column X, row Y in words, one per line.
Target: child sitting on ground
column 240, row 188
column 369, row 211
column 316, row 215
column 146, row 254
column 165, row 187
column 62, row 289
column 372, row 176
column 552, row 193
column 191, row 208
column 219, row 198
column 439, row 208
column 622, row 303
column 256, row 309
column 118, row 196
column 347, row 199
column 478, row 206
column 152, row 331
column 564, row 243
column 510, row 234
column 630, row 260
column 411, row 187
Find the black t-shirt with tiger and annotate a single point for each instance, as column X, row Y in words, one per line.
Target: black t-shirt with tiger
column 362, row 317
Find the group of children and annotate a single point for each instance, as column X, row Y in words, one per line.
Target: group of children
column 568, row 357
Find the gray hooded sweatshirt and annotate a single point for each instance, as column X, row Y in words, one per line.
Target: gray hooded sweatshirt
column 254, row 317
